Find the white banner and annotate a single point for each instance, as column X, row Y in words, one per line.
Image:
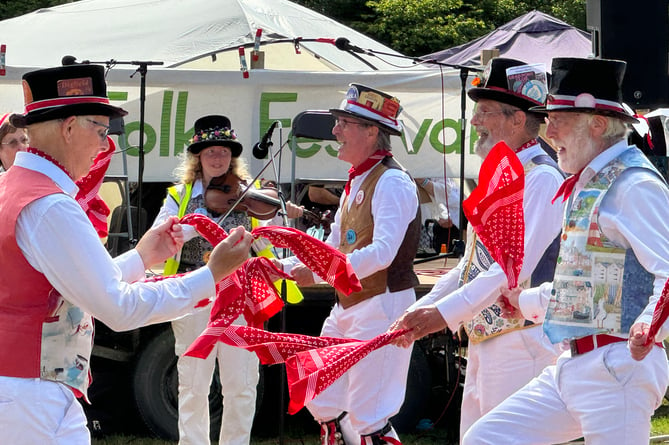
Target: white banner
column 176, row 98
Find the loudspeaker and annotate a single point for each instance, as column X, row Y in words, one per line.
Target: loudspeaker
column 638, row 34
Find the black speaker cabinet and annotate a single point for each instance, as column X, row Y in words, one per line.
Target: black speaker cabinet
column 637, row 33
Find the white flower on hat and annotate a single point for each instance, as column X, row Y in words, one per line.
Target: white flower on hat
column 585, row 100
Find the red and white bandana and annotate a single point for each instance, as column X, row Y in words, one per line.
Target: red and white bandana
column 312, row 363
column 495, row 209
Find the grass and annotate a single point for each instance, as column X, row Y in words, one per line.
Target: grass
column 428, row 438
column 659, row 429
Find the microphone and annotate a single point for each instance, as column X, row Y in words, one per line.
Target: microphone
column 68, row 60
column 344, row 44
column 261, row 149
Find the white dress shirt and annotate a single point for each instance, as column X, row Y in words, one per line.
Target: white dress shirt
column 634, row 214
column 394, row 206
column 59, row 241
column 542, row 225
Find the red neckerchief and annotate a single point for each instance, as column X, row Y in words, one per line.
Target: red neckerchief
column 567, row 187
column 49, row 158
column 527, row 144
column 365, row 166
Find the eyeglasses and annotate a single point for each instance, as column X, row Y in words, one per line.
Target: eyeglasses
column 18, row 143
column 102, row 134
column 557, row 121
column 343, row 123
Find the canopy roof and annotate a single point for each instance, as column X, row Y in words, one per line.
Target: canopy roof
column 533, row 38
column 178, row 32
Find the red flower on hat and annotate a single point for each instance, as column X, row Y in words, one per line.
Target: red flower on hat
column 477, row 81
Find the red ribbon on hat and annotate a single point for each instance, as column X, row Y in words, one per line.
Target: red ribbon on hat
column 50, row 103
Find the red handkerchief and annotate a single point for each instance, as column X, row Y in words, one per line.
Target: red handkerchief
column 495, row 209
column 325, row 261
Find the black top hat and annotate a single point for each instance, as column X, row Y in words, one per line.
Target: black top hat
column 64, row 91
column 374, row 106
column 214, row 130
column 512, row 82
column 588, row 86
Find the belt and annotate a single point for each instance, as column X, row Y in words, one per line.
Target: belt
column 582, row 345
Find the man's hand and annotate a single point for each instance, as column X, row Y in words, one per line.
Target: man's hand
column 161, row 242
column 637, row 339
column 302, row 275
column 230, row 253
column 509, row 302
column 293, row 210
column 420, row 322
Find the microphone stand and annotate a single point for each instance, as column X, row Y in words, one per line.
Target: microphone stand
column 284, row 288
column 142, row 70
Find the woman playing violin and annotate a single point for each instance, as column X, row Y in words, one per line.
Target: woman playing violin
column 213, row 153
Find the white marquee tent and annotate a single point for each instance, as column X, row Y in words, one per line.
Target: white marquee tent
column 186, row 34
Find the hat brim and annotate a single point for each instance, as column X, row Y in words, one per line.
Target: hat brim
column 337, row 112
column 609, row 113
column 235, row 147
column 92, row 109
column 508, row 98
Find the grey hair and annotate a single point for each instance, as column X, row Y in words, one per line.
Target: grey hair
column 383, row 140
column 616, row 129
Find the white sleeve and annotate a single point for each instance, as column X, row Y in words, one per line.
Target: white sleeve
column 58, row 240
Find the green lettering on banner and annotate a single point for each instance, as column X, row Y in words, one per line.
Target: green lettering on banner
column 165, row 123
column 121, row 96
column 130, row 127
column 329, row 149
column 308, row 152
column 181, row 136
column 266, row 100
column 420, row 136
column 436, row 134
column 149, row 141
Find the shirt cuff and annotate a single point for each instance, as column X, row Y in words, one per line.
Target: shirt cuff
column 532, row 304
column 131, row 265
column 201, row 284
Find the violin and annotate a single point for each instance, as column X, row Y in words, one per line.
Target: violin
column 224, row 191
column 263, row 203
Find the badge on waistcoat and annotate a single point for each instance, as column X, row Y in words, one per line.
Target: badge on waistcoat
column 350, row 236
column 359, row 197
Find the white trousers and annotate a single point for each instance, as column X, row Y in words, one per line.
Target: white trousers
column 498, row 367
column 373, row 390
column 239, row 376
column 34, row 411
column 604, row 396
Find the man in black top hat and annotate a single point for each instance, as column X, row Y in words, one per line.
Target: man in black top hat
column 613, row 264
column 503, row 355
column 57, row 275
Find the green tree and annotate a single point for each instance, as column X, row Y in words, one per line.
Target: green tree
column 418, row 27
column 15, row 8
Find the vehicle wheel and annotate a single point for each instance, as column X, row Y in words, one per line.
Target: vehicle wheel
column 154, row 384
column 155, row 389
column 419, row 382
